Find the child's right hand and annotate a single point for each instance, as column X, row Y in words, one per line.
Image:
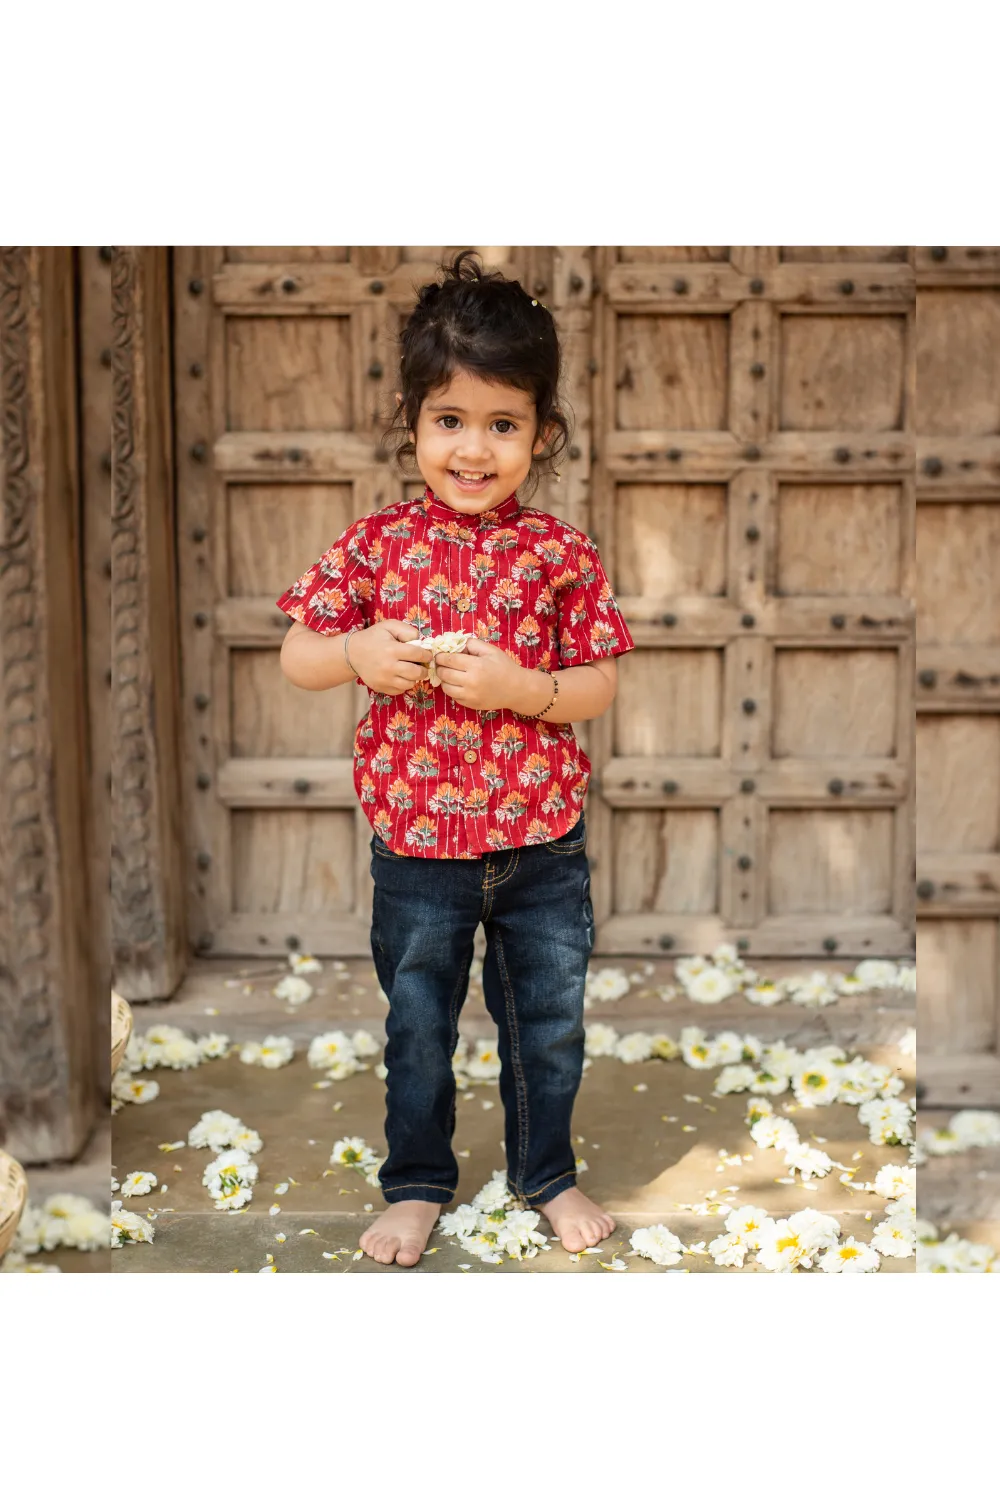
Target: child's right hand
column 385, row 658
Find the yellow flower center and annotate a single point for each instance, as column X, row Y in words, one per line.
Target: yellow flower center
column 848, row 1252
column 789, row 1241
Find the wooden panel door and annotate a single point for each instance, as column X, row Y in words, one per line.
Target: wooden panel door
column 284, row 369
column 958, row 678
column 753, row 502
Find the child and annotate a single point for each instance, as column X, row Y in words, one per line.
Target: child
column 474, row 787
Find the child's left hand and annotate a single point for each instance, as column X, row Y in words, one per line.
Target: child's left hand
column 482, row 676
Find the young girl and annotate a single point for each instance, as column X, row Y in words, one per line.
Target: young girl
column 474, row 786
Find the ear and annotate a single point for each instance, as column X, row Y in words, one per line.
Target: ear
column 544, row 438
column 399, row 398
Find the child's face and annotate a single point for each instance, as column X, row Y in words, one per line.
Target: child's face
column 470, row 426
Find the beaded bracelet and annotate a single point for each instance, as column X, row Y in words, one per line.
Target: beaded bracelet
column 555, row 695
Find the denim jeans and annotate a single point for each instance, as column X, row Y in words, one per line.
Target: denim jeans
column 534, row 904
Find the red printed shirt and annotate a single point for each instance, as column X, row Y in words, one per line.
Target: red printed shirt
column 436, row 779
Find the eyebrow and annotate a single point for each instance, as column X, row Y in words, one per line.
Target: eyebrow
column 520, row 416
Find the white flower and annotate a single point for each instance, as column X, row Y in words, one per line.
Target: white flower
column 729, row 1047
column 976, row 1127
column 463, row 1220
column 775, row 1133
column 483, row 1063
column 86, row 1229
column 758, row 1108
column 365, row 1045
column 849, row 1255
column 658, row 1244
column 765, row 993
column 769, row 1083
column 272, row 1052
column 888, row 1121
column 686, row 968
column 304, row 963
column 601, row 1040
column 783, row 1248
column 710, row 985
column 214, row 1129
column 607, row 984
column 138, row 1183
column 808, row 1161
column 892, row 1181
column 748, row 1223
column 735, row 1079
column 894, row 1239
column 876, row 974
column 663, row 1046
column 128, row 1090
column 213, row 1045
column 817, row 1230
column 907, row 1043
column 778, row 1057
column 697, row 1050
column 941, row 1142
column 245, row 1139
column 728, row 1250
column 903, row 1210
column 381, row 1071
column 182, row 1053
column 128, row 1228
column 811, row 989
column 816, row 1085
column 331, row 1048
column 858, row 1082
column 493, row 1194
column 294, row 989
column 635, row 1047
column 351, row 1151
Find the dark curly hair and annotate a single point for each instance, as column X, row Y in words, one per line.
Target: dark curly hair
column 482, row 322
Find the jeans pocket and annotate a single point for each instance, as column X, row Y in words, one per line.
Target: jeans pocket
column 588, row 915
column 569, row 843
column 378, row 847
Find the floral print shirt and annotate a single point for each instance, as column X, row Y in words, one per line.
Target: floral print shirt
column 436, row 779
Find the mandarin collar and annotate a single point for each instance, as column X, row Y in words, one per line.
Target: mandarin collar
column 435, row 509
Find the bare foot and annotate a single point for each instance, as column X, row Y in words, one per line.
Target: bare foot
column 401, row 1232
column 577, row 1222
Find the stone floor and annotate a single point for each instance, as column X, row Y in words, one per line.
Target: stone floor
column 89, row 1176
column 645, row 1169
column 960, row 1193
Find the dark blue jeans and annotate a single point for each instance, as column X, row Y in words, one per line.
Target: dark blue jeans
column 534, row 904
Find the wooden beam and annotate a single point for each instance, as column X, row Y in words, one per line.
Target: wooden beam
column 148, row 929
column 52, row 1077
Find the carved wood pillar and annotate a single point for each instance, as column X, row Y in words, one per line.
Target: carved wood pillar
column 147, row 840
column 51, row 1002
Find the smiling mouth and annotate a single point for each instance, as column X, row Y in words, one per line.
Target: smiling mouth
column 469, row 476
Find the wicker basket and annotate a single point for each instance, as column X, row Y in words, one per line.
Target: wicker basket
column 13, row 1195
column 121, row 1028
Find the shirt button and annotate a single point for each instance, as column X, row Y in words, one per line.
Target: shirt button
column 470, row 756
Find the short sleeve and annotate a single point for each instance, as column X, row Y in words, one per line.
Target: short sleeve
column 589, row 622
column 336, row 594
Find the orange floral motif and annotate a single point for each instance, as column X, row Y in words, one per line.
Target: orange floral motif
column 500, row 540
column 328, row 603
column 438, row 590
column 447, row 799
column 527, row 567
column 482, row 568
column 422, row 833
column 416, row 556
column 463, row 598
column 506, row 595
column 535, row 771
column 382, row 760
column 436, row 780
column 399, row 794
column 423, row 762
column 400, row 727
column 551, row 551
column 476, row 803
column 443, row 731
column 511, row 807
column 603, row 638
column 527, row 633
column 509, row 741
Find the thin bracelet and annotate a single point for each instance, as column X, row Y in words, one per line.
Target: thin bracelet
column 347, row 637
column 555, row 695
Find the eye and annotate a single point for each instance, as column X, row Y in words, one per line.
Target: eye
column 503, row 421
column 448, row 417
